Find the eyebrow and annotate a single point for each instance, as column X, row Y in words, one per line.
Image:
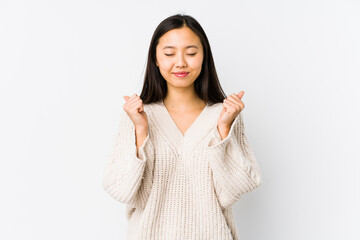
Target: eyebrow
column 190, row 46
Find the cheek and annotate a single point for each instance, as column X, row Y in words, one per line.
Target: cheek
column 165, row 65
column 196, row 63
column 163, row 62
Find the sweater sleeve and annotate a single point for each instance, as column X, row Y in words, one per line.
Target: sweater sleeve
column 128, row 177
column 233, row 164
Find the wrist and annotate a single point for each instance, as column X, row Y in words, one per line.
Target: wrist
column 223, row 127
column 223, row 131
column 141, row 129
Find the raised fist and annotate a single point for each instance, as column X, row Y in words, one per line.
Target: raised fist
column 134, row 109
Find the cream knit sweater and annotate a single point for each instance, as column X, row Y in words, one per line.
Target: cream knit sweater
column 181, row 186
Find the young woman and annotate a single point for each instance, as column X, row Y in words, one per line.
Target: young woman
column 181, row 158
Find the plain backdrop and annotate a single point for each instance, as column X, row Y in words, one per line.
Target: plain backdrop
column 66, row 65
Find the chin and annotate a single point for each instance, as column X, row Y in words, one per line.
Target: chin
column 179, row 84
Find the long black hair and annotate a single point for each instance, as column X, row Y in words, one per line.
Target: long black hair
column 207, row 85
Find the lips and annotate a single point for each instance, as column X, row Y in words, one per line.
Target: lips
column 181, row 74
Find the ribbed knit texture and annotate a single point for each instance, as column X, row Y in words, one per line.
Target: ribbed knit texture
column 181, row 186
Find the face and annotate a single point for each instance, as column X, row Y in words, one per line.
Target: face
column 179, row 56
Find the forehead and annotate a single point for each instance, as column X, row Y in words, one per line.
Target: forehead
column 179, row 38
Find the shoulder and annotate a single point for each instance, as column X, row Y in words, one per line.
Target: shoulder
column 151, row 106
column 215, row 105
column 215, row 108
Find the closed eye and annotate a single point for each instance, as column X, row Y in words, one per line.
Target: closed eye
column 192, row 54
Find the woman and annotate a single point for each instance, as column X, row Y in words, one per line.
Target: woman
column 181, row 158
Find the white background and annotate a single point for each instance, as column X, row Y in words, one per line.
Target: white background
column 66, row 65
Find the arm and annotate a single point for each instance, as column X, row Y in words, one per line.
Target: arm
column 141, row 135
column 128, row 173
column 233, row 164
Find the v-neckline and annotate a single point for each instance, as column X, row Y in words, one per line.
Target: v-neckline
column 197, row 119
column 205, row 122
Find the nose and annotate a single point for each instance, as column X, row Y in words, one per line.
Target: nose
column 180, row 61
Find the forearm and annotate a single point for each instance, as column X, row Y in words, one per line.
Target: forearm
column 140, row 135
column 223, row 131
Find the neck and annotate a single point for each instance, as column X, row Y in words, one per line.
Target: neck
column 182, row 98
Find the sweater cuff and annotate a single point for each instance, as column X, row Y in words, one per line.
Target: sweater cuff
column 216, row 142
column 144, row 150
